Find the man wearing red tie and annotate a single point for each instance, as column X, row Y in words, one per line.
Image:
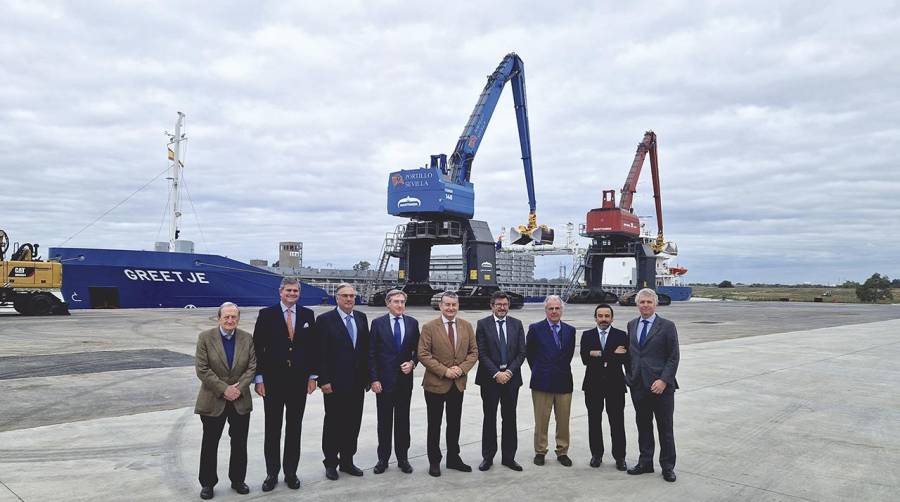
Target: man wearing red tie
column 448, row 350
column 287, row 351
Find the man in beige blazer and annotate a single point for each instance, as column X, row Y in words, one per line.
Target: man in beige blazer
column 226, row 364
column 448, row 350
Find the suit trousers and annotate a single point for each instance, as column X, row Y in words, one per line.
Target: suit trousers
column 615, row 414
column 561, row 405
column 340, row 431
column 290, row 405
column 506, row 396
column 393, row 416
column 238, row 425
column 435, row 405
column 662, row 407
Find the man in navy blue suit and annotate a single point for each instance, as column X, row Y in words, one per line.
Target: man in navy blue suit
column 501, row 352
column 654, row 362
column 392, row 358
column 604, row 352
column 549, row 348
column 344, row 379
column 286, row 344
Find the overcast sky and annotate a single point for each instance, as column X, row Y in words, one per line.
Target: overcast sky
column 777, row 123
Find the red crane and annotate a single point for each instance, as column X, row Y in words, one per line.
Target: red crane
column 610, row 220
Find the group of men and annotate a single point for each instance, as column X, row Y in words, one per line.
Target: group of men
column 291, row 353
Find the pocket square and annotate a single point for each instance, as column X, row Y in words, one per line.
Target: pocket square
column 306, row 325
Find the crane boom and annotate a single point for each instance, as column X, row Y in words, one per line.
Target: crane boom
column 459, row 168
column 443, row 189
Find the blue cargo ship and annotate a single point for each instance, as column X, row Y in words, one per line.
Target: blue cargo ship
column 110, row 278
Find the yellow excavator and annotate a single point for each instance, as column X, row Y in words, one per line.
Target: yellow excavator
column 30, row 284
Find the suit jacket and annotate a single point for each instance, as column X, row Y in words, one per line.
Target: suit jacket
column 437, row 355
column 551, row 366
column 215, row 375
column 604, row 374
column 657, row 360
column 341, row 364
column 274, row 349
column 489, row 350
column 384, row 358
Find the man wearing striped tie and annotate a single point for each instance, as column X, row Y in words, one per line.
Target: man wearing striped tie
column 654, row 361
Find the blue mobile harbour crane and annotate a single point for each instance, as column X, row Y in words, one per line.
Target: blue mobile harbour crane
column 440, row 201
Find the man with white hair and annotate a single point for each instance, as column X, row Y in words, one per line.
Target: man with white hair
column 225, row 364
column 344, row 380
column 549, row 348
column 654, row 361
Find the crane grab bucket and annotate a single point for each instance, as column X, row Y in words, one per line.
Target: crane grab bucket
column 539, row 234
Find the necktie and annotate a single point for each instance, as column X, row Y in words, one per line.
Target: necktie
column 452, row 334
column 398, row 340
column 603, row 340
column 504, row 355
column 643, row 334
column 348, row 321
column 290, row 324
column 556, row 336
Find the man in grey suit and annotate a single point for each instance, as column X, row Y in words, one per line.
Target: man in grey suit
column 501, row 351
column 225, row 364
column 654, row 361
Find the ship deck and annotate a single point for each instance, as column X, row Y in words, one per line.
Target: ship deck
column 778, row 401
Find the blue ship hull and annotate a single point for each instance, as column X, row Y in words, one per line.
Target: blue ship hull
column 109, row 278
column 677, row 293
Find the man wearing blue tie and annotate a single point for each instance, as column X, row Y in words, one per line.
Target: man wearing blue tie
column 392, row 358
column 549, row 347
column 344, row 379
column 654, row 362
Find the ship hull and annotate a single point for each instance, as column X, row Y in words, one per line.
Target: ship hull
column 677, row 293
column 109, row 278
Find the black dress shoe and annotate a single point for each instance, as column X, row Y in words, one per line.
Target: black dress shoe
column 669, row 475
column 564, row 460
column 293, row 482
column 269, row 483
column 434, row 470
column 485, row 465
column 459, row 465
column 241, row 488
column 351, row 470
column 380, row 467
column 596, row 461
column 512, row 464
column 539, row 459
column 331, row 473
column 621, row 465
column 206, row 492
column 640, row 469
column 404, row 466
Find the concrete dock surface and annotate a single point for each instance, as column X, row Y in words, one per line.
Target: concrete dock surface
column 778, row 401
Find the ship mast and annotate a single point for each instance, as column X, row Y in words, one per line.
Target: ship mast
column 174, row 147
